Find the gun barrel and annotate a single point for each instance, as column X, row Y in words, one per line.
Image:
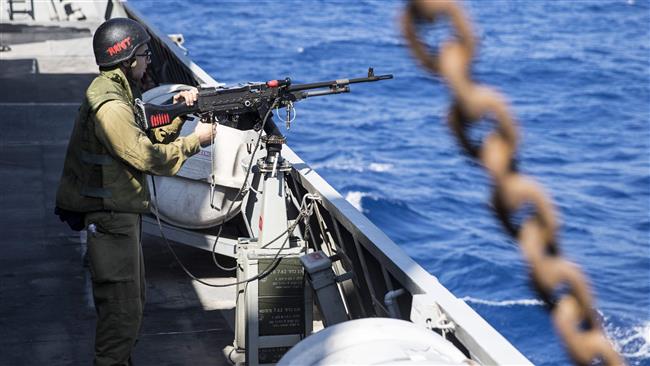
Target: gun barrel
column 318, row 93
column 338, row 83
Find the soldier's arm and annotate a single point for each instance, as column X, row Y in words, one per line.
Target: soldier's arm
column 118, row 131
column 169, row 133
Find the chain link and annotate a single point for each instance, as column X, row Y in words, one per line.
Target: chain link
column 561, row 284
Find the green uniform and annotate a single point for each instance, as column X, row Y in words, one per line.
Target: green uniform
column 104, row 176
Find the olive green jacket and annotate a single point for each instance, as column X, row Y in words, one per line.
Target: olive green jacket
column 109, row 154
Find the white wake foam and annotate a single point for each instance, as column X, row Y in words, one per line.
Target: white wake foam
column 378, row 167
column 353, row 165
column 631, row 343
column 354, row 198
column 521, row 302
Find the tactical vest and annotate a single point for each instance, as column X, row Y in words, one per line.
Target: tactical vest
column 93, row 180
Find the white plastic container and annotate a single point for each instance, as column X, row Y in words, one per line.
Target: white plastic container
column 185, row 199
column 374, row 341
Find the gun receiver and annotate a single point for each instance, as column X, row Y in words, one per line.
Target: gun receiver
column 248, row 103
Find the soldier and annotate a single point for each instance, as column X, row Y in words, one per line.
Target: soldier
column 103, row 185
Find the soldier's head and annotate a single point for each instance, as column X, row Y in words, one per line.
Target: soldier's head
column 122, row 42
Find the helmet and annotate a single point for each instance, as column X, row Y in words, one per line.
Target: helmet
column 117, row 39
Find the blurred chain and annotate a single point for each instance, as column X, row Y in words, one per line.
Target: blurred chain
column 560, row 283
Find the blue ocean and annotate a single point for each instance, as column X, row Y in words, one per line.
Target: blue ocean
column 577, row 77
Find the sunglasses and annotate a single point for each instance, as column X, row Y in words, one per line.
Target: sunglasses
column 146, row 54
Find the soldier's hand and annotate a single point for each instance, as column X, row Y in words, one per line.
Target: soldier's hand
column 188, row 96
column 206, row 133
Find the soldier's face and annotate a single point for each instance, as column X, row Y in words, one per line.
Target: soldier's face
column 142, row 59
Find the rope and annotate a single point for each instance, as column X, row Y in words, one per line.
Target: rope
column 561, row 284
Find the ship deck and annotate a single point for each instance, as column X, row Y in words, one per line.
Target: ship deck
column 46, row 309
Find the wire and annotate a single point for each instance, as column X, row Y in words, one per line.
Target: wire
column 290, row 118
column 267, row 270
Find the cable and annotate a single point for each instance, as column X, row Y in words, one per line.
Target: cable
column 304, row 213
column 290, row 118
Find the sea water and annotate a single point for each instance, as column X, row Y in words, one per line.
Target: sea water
column 577, row 77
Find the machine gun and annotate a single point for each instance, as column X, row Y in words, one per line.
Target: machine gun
column 248, row 103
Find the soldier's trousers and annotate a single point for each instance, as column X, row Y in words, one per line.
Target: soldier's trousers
column 117, row 270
